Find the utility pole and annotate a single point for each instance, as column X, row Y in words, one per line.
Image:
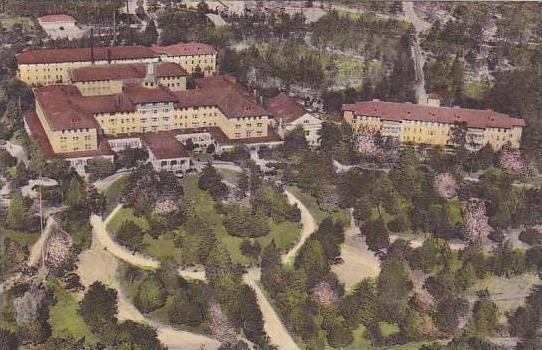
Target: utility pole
column 41, row 228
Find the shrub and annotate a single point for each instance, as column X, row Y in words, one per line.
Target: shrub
column 151, row 294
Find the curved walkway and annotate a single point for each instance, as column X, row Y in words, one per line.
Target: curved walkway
column 98, row 264
column 99, row 228
column 309, row 227
column 273, row 325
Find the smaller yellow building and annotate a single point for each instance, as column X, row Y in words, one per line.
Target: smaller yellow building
column 53, row 66
column 432, row 125
column 110, row 79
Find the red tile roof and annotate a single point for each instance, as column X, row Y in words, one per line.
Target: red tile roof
column 185, row 49
column 286, row 108
column 113, row 52
column 222, row 91
column 39, row 136
column 475, row 118
column 84, row 54
column 125, row 71
column 138, row 94
column 56, row 18
column 59, row 103
column 164, row 145
column 66, row 108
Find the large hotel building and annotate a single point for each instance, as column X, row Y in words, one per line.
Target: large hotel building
column 432, row 125
column 94, row 102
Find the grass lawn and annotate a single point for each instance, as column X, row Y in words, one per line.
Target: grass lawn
column 162, row 248
column 9, row 22
column 476, row 89
column 361, row 343
column 284, row 234
column 455, row 211
column 64, row 318
column 123, row 215
column 507, row 293
column 113, row 193
column 23, row 238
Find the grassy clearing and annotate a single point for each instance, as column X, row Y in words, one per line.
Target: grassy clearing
column 361, row 343
column 126, row 214
column 26, row 22
column 284, row 234
column 229, row 175
column 311, row 203
column 114, row 192
column 162, row 248
column 507, row 293
column 23, row 238
column 64, row 317
column 476, row 89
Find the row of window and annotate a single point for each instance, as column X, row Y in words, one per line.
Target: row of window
column 249, row 125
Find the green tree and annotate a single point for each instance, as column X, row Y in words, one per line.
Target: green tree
column 376, row 234
column 312, row 260
column 130, row 235
column 99, row 308
column 18, row 215
column 485, row 315
column 151, row 294
column 394, row 286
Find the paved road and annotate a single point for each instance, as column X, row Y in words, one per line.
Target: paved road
column 417, row 54
column 35, row 252
column 99, row 227
column 103, row 184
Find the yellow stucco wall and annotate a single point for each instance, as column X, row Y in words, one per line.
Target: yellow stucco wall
column 431, row 133
column 68, row 140
column 51, row 73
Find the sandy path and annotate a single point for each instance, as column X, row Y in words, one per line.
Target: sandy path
column 273, row 325
column 359, row 261
column 35, row 252
column 97, row 264
column 309, row 227
column 99, row 228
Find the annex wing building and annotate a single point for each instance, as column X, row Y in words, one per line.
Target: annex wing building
column 433, row 125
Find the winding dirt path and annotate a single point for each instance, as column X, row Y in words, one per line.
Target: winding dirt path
column 309, row 227
column 99, row 228
column 272, row 323
column 98, row 264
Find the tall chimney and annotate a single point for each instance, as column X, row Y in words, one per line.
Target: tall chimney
column 109, row 55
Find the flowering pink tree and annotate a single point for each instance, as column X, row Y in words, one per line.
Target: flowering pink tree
column 220, row 325
column 445, row 185
column 58, row 251
column 511, row 160
column 166, row 205
column 366, row 144
column 476, row 221
column 324, row 294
